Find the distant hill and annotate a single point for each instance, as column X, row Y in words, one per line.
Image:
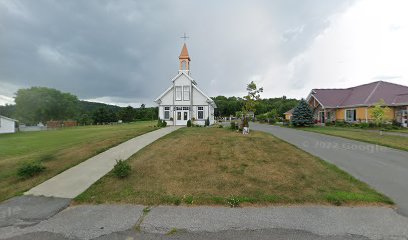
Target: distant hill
column 86, row 106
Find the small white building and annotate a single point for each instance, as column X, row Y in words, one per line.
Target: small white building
column 183, row 100
column 7, row 125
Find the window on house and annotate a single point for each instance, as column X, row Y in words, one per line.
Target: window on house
column 166, row 113
column 186, row 93
column 200, row 113
column 351, row 115
column 178, row 93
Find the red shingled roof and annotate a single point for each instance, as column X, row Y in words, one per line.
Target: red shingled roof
column 363, row 95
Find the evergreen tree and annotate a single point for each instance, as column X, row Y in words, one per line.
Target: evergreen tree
column 302, row 114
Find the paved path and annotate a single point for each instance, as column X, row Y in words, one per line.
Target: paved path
column 76, row 180
column 120, row 221
column 385, row 169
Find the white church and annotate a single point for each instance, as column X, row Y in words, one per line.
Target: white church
column 183, row 100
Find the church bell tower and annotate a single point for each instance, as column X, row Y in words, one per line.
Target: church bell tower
column 184, row 59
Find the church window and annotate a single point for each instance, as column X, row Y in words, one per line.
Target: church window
column 178, row 93
column 183, row 65
column 178, row 115
column 186, row 93
column 200, row 113
column 166, row 112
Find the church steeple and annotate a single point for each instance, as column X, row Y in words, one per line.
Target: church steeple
column 184, row 59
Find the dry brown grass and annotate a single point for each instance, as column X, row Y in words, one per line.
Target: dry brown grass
column 210, row 165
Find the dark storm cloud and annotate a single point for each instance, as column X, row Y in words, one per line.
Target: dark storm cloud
column 129, row 49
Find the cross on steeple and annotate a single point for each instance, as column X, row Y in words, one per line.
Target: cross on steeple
column 184, row 37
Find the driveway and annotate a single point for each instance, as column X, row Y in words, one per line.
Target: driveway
column 383, row 168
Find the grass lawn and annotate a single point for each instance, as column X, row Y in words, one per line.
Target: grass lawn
column 57, row 150
column 399, row 142
column 214, row 166
column 402, row 130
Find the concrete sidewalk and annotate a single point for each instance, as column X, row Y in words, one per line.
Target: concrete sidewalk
column 123, row 222
column 77, row 179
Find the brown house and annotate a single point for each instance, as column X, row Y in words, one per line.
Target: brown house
column 353, row 104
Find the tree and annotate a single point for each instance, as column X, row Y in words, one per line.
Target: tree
column 378, row 112
column 103, row 115
column 40, row 104
column 251, row 98
column 127, row 114
column 7, row 110
column 302, row 114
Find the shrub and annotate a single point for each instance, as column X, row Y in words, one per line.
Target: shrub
column 329, row 124
column 161, row 123
column 364, row 125
column 207, row 122
column 272, row 120
column 341, row 124
column 387, row 127
column 396, row 123
column 121, row 169
column 233, row 126
column 189, row 123
column 371, row 125
column 30, row 169
column 220, row 126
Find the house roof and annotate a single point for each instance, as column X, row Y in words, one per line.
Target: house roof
column 184, row 53
column 289, row 111
column 362, row 95
column 14, row 120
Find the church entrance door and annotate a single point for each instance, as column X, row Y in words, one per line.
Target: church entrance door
column 182, row 115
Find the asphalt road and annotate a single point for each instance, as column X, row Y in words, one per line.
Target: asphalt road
column 383, row 168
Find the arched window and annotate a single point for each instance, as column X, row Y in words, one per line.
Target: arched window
column 183, row 65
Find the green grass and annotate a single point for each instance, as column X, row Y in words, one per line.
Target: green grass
column 398, row 142
column 57, row 150
column 402, row 130
column 213, row 166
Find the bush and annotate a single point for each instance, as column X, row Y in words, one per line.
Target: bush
column 233, row 126
column 161, row 123
column 121, row 169
column 272, row 120
column 30, row 169
column 387, row 127
column 371, row 125
column 396, row 123
column 220, row 126
column 341, row 124
column 364, row 125
column 189, row 123
column 207, row 122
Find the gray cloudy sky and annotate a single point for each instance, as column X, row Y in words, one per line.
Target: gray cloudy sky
column 126, row 52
